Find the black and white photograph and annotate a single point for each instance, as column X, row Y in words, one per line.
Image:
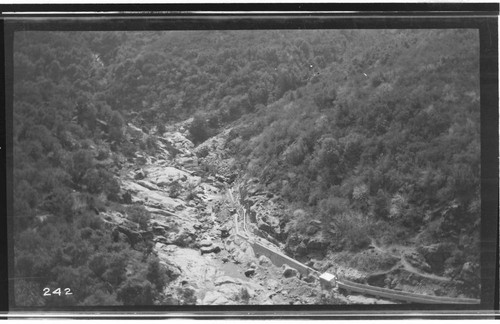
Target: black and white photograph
column 246, row 167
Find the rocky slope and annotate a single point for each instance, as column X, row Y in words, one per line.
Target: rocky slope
column 191, row 230
column 192, row 233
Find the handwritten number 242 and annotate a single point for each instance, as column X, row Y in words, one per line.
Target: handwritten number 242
column 57, row 291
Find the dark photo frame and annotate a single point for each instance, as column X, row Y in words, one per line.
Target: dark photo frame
column 238, row 109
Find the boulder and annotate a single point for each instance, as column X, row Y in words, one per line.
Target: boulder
column 220, row 178
column 180, row 207
column 133, row 237
column 210, row 249
column 311, row 230
column 315, row 222
column 139, row 175
column 147, row 185
column 252, row 191
column 245, row 256
column 289, row 272
column 215, row 298
column 250, row 272
column 225, row 280
column 265, row 261
column 205, row 243
column 186, row 161
column 264, row 226
column 171, row 271
column 254, row 180
column 310, row 278
column 184, row 238
column 224, row 232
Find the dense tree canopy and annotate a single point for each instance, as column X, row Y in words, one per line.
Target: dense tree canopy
column 343, row 123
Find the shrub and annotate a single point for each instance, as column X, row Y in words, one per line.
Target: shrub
column 155, row 274
column 175, row 190
column 295, row 153
column 332, row 206
column 101, row 298
column 136, row 292
column 115, row 274
column 59, row 203
column 372, row 261
column 203, row 152
column 26, row 293
column 82, row 161
column 186, row 296
column 98, row 264
column 151, row 144
column 191, row 195
column 380, row 204
column 139, row 215
column 354, row 229
column 116, row 124
column 244, row 296
column 161, row 128
column 102, row 154
column 199, row 129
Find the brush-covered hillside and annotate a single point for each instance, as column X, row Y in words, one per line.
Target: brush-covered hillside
column 381, row 147
column 366, row 138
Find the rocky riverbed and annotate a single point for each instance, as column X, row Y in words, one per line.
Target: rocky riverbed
column 192, row 233
column 191, row 230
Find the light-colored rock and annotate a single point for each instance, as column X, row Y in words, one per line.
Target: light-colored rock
column 226, row 280
column 147, row 185
column 264, row 260
column 205, row 243
column 165, row 176
column 151, row 198
column 139, row 175
column 178, row 140
column 272, row 284
column 215, row 298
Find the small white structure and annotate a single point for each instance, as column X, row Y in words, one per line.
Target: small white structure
column 327, row 281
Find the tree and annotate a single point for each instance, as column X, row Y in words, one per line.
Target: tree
column 140, row 215
column 82, row 161
column 116, row 124
column 155, row 274
column 199, row 129
column 136, row 291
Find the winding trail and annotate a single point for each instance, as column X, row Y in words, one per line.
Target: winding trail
column 407, row 266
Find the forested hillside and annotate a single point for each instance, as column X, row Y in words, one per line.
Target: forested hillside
column 382, row 147
column 373, row 133
column 391, row 135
